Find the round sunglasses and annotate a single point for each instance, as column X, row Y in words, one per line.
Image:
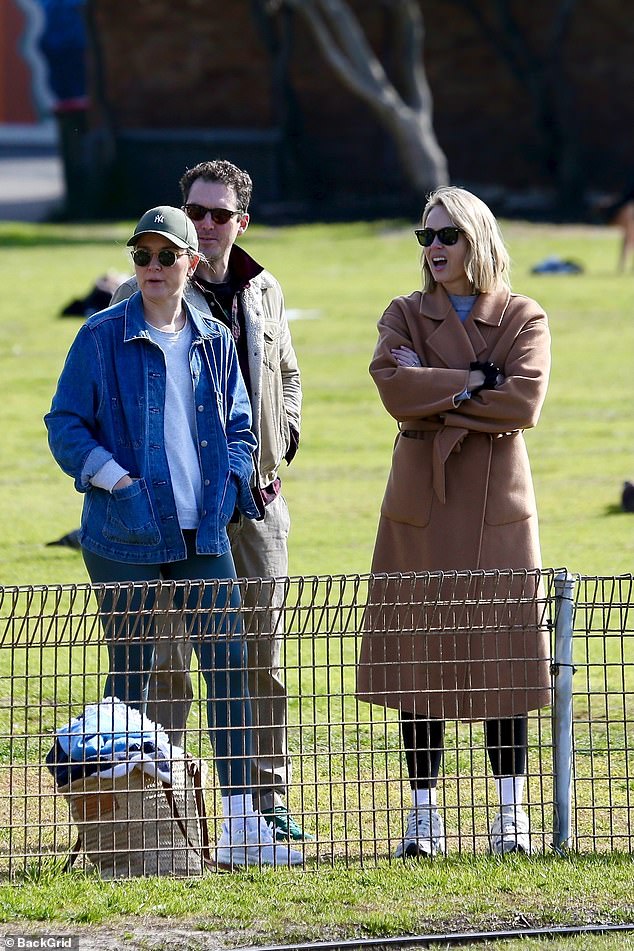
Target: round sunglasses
column 166, row 257
column 447, row 236
column 219, row 216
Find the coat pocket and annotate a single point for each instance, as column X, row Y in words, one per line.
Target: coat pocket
column 272, row 344
column 511, row 497
column 129, row 516
column 408, row 494
column 274, row 427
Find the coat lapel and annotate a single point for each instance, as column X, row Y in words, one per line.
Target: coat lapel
column 453, row 342
column 449, row 341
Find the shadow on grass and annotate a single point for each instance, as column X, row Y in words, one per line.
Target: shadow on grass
column 615, row 509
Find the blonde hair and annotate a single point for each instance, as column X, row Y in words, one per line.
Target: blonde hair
column 487, row 263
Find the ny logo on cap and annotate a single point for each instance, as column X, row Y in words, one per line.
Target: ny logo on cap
column 158, row 219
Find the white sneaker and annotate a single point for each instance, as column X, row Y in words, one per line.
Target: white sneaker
column 510, row 832
column 253, row 844
column 424, row 835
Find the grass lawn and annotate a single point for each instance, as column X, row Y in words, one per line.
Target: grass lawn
column 464, row 895
column 340, row 278
column 337, row 280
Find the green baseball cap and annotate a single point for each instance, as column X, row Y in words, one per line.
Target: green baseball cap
column 170, row 222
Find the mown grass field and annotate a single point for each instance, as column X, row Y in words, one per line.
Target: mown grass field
column 340, row 278
column 337, row 281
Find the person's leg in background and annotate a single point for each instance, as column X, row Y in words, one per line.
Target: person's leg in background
column 423, row 741
column 507, row 746
column 170, row 691
column 214, row 625
column 260, row 551
column 126, row 616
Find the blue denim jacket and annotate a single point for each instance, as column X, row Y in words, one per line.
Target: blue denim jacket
column 109, row 403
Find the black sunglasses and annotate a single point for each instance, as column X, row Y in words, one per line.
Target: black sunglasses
column 166, row 257
column 448, row 235
column 219, row 216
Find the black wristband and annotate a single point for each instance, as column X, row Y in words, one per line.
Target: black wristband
column 491, row 373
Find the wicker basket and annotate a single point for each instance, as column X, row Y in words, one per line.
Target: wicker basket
column 136, row 825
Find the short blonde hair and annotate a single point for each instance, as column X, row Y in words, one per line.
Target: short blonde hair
column 487, row 264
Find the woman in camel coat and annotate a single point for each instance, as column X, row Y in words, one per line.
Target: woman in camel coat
column 463, row 368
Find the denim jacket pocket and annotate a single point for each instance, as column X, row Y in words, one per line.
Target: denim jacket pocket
column 129, row 516
column 129, row 421
column 229, row 499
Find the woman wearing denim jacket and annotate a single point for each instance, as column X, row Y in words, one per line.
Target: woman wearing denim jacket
column 152, row 420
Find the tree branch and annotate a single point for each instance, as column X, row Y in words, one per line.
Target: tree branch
column 344, row 46
column 409, row 35
column 346, row 49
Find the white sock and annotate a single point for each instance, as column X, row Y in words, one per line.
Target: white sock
column 424, row 798
column 510, row 790
column 236, row 808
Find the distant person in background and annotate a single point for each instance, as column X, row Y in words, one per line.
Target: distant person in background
column 623, row 218
column 63, row 45
column 627, row 496
column 152, row 420
column 620, row 214
column 462, row 366
column 238, row 292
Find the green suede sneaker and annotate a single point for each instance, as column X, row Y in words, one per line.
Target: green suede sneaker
column 284, row 826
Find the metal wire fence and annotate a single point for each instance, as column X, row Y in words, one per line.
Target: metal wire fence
column 348, row 785
column 603, row 714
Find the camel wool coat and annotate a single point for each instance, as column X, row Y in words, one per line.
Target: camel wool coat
column 472, row 642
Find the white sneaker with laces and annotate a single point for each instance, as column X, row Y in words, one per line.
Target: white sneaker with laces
column 252, row 844
column 510, row 832
column 424, row 834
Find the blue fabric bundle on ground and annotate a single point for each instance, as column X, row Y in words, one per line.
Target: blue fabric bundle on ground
column 110, row 738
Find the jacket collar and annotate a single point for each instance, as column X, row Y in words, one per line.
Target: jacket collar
column 487, row 309
column 242, row 267
column 452, row 339
column 135, row 327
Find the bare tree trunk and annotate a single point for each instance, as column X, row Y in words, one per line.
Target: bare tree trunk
column 407, row 117
column 423, row 161
column 539, row 71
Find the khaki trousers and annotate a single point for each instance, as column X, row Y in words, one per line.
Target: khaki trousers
column 260, row 550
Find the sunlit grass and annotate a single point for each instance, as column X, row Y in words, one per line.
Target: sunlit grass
column 581, row 451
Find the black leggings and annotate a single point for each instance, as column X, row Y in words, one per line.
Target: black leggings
column 506, row 742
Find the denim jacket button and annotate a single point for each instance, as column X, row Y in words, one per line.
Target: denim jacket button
column 201, row 408
column 207, row 481
column 203, row 443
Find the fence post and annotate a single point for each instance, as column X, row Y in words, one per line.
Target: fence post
column 563, row 671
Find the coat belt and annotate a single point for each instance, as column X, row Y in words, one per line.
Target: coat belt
column 446, row 440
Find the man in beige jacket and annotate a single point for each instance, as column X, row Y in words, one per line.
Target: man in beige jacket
column 230, row 286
